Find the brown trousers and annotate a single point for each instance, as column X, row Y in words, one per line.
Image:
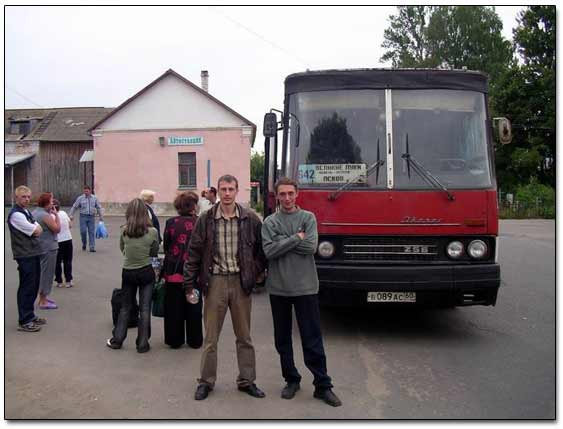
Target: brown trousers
column 225, row 292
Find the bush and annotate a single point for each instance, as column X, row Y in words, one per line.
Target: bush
column 259, row 207
column 531, row 200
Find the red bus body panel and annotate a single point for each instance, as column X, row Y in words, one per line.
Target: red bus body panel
column 403, row 212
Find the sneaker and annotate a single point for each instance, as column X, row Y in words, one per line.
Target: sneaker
column 59, row 285
column 328, row 397
column 93, row 250
column 40, row 321
column 112, row 345
column 69, row 284
column 29, row 327
column 49, row 306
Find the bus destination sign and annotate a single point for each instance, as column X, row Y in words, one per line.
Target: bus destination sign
column 320, row 174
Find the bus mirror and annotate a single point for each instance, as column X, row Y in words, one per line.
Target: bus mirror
column 270, row 125
column 504, row 130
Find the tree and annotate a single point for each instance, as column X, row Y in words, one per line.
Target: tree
column 526, row 95
column 406, row 37
column 468, row 36
column 447, row 37
column 257, row 167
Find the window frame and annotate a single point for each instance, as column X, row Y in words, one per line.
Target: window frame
column 190, row 164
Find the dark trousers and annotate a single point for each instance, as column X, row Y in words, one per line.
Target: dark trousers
column 30, row 273
column 182, row 321
column 309, row 323
column 64, row 257
column 88, row 227
column 142, row 279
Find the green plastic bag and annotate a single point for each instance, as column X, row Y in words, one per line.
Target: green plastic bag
column 158, row 298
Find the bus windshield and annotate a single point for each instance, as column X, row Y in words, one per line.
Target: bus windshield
column 343, row 136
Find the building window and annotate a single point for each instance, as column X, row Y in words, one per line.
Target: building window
column 186, row 170
column 20, row 127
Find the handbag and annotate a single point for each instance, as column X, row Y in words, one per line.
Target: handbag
column 158, row 293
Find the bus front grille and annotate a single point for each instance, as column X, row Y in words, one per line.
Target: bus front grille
column 390, row 249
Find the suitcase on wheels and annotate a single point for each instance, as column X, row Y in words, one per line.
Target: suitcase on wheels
column 116, row 300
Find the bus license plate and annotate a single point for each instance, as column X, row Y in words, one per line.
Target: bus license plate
column 391, row 296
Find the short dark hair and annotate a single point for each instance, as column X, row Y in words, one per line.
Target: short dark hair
column 213, row 190
column 87, row 187
column 186, row 203
column 227, row 178
column 44, row 199
column 56, row 204
column 285, row 181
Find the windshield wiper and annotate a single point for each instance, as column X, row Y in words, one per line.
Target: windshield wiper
column 424, row 173
column 374, row 167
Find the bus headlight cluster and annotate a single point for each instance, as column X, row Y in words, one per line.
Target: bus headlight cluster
column 477, row 249
column 325, row 249
column 455, row 249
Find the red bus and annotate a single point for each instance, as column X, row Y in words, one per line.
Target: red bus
column 398, row 167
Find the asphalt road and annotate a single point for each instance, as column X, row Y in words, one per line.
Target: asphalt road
column 466, row 363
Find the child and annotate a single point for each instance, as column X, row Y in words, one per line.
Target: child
column 64, row 256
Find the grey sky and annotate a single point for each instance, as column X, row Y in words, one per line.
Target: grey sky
column 64, row 56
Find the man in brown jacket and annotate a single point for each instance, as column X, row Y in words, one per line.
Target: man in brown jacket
column 224, row 258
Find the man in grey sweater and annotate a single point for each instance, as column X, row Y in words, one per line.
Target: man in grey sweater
column 289, row 239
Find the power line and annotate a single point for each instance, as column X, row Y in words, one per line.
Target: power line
column 24, row 97
column 305, row 63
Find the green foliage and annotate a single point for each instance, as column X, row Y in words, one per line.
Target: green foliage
column 258, row 207
column 525, row 93
column 536, row 193
column 447, row 37
column 468, row 36
column 406, row 37
column 257, row 167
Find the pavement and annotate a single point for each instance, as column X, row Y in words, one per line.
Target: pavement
column 467, row 363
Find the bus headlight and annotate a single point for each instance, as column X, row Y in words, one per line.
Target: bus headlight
column 326, row 249
column 455, row 249
column 477, row 249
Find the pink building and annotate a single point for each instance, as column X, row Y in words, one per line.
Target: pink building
column 169, row 137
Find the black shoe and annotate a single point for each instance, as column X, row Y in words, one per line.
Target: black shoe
column 202, row 391
column 83, row 247
column 290, row 390
column 93, row 250
column 327, row 396
column 143, row 349
column 252, row 390
column 112, row 345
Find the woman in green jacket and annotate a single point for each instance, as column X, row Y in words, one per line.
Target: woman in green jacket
column 138, row 243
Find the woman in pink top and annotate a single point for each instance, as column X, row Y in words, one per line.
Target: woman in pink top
column 182, row 321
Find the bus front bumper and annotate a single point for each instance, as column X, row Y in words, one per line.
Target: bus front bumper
column 444, row 285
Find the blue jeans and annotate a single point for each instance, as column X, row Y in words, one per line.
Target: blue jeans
column 309, row 323
column 143, row 279
column 88, row 225
column 30, row 274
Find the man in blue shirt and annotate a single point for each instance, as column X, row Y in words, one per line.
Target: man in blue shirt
column 87, row 205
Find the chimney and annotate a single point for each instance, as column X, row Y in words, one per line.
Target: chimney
column 205, row 80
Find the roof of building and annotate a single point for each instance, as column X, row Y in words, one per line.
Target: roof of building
column 15, row 159
column 55, row 124
column 171, row 72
